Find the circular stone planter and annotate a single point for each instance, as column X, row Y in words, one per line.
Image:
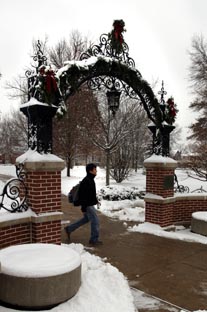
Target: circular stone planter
column 199, row 222
column 38, row 275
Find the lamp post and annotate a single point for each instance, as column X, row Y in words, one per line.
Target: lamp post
column 44, row 97
column 161, row 136
column 113, row 97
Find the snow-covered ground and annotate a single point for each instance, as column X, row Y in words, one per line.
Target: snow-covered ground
column 98, row 291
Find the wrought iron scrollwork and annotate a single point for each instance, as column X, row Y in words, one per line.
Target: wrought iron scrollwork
column 42, row 83
column 106, row 49
column 32, row 75
column 40, row 58
column 161, row 139
column 162, row 93
column 14, row 195
column 111, row 83
column 178, row 188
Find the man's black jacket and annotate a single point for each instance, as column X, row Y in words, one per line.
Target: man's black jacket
column 87, row 192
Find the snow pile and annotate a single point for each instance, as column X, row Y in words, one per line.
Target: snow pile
column 125, row 210
column 173, row 232
column 103, row 287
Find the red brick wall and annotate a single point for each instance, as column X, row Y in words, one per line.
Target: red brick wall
column 14, row 235
column 44, row 197
column 44, row 191
column 159, row 214
column 155, row 181
column 47, row 232
column 25, row 233
column 162, row 207
column 178, row 210
column 183, row 209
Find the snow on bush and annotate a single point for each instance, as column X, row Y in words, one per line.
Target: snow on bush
column 113, row 193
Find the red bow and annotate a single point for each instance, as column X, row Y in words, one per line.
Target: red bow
column 118, row 29
column 50, row 82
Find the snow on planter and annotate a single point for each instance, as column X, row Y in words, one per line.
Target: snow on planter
column 199, row 222
column 39, row 275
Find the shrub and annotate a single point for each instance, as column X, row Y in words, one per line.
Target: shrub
column 113, row 193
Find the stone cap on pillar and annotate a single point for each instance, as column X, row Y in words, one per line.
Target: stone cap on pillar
column 158, row 161
column 35, row 161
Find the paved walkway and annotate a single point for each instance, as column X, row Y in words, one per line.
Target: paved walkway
column 172, row 270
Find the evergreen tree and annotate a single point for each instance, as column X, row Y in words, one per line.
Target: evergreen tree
column 198, row 78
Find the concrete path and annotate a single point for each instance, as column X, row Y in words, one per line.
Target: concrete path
column 172, row 270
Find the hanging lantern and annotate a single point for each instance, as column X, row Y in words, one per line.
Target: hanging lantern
column 113, row 97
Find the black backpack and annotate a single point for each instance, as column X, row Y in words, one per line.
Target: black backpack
column 73, row 195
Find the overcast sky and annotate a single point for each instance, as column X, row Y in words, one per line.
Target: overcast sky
column 159, row 35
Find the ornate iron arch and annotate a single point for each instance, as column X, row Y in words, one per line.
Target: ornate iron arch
column 97, row 71
column 109, row 64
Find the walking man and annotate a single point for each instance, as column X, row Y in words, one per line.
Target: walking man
column 87, row 198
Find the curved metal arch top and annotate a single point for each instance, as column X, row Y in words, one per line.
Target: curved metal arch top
column 101, row 70
column 107, row 64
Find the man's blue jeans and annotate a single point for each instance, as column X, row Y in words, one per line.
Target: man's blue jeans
column 89, row 216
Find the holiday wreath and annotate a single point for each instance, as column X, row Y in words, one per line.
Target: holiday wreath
column 170, row 111
column 116, row 36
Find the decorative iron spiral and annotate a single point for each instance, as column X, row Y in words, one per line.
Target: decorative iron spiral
column 14, row 194
column 12, row 201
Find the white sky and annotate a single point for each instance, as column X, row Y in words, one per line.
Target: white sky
column 159, row 33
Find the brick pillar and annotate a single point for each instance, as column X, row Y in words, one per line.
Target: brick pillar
column 43, row 182
column 159, row 199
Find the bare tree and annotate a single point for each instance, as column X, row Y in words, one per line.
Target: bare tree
column 198, row 67
column 131, row 150
column 68, row 50
column 18, row 86
column 17, row 89
column 139, row 135
column 175, row 139
column 111, row 133
column 66, row 133
column 198, row 162
column 121, row 162
column 69, row 140
column 13, row 138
